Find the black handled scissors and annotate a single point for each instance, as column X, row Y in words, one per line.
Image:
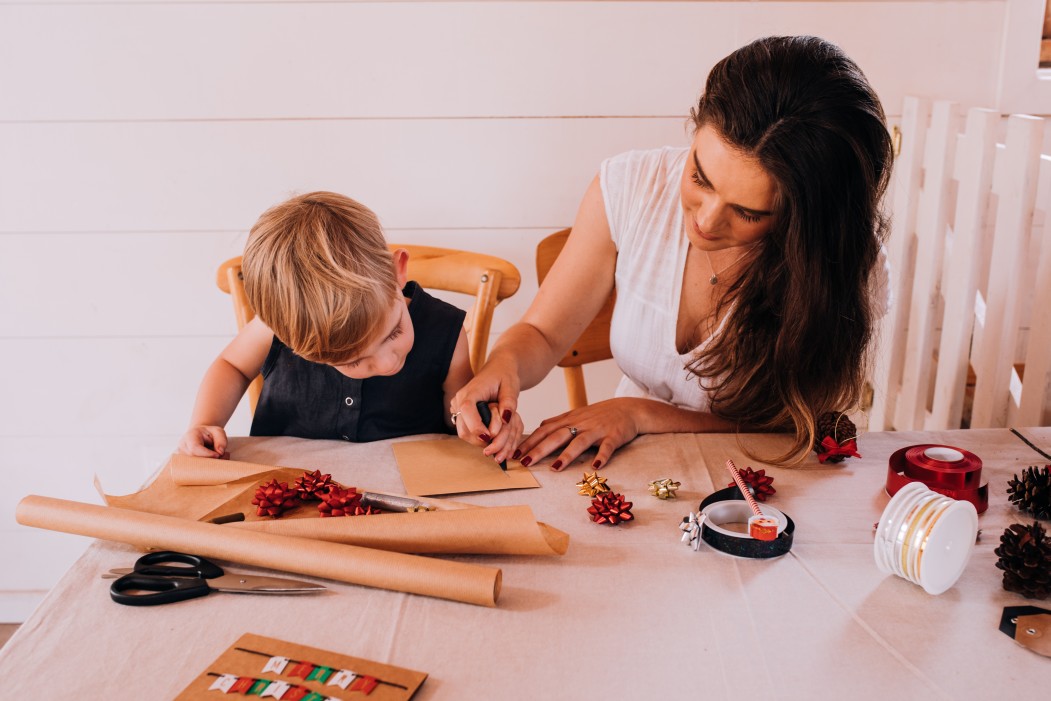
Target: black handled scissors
column 166, row 577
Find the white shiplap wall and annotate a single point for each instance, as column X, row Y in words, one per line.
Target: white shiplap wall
column 140, row 140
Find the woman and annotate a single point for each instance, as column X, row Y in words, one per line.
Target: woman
column 744, row 267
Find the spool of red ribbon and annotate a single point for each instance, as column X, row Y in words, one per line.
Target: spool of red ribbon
column 950, row 471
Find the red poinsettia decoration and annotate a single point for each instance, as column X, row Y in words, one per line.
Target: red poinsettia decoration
column 312, row 485
column 274, row 498
column 759, row 481
column 610, row 508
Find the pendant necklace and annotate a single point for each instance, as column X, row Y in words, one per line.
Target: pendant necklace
column 714, row 279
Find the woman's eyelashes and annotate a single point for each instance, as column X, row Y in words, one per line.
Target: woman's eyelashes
column 701, row 182
column 743, row 214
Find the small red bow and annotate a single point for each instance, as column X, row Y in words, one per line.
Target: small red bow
column 849, row 449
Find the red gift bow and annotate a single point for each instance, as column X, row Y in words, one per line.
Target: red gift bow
column 832, row 448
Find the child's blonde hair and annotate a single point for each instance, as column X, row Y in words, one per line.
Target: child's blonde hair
column 318, row 272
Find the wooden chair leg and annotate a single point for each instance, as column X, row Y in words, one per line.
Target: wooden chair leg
column 578, row 396
column 242, row 309
column 482, row 319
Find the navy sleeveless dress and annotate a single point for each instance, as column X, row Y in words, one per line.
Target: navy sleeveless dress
column 311, row 400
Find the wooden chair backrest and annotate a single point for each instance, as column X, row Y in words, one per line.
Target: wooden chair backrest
column 593, row 343
column 962, row 210
column 489, row 279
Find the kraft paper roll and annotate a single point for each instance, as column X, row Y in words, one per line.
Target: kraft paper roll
column 502, row 530
column 457, row 581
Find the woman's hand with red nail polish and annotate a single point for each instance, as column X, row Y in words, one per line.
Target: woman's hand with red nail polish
column 606, row 425
column 503, row 437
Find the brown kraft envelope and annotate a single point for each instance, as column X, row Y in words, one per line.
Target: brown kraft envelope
column 451, row 466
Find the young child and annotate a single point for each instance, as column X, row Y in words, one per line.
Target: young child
column 347, row 349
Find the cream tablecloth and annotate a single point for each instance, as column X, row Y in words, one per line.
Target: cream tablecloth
column 629, row 612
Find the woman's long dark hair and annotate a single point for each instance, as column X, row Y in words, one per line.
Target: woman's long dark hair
column 795, row 345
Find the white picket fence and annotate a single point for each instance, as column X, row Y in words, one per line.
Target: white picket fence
column 970, row 252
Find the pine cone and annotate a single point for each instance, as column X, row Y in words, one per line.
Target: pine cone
column 274, row 498
column 311, row 485
column 1025, row 558
column 837, row 426
column 610, row 508
column 338, row 501
column 760, row 485
column 1032, row 491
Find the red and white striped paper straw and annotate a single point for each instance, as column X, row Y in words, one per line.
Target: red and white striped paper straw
column 744, row 488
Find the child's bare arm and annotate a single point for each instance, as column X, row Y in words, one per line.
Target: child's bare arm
column 223, row 386
column 460, row 373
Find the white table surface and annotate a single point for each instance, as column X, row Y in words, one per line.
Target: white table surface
column 628, row 612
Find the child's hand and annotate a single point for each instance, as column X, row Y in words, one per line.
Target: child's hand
column 204, row 442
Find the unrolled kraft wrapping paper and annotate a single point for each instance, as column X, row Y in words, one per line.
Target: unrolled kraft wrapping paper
column 201, row 473
column 188, row 470
column 499, row 530
column 457, row 581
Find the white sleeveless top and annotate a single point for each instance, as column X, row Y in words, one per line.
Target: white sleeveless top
column 641, row 194
column 643, row 206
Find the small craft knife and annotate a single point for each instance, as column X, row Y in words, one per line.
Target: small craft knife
column 487, row 416
column 392, row 502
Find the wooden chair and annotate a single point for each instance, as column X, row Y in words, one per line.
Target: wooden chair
column 593, row 344
column 230, row 281
column 960, row 248
column 489, row 279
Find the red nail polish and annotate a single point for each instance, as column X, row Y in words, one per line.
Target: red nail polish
column 518, row 454
column 486, row 437
column 556, row 465
column 526, row 460
column 597, row 464
column 506, row 416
